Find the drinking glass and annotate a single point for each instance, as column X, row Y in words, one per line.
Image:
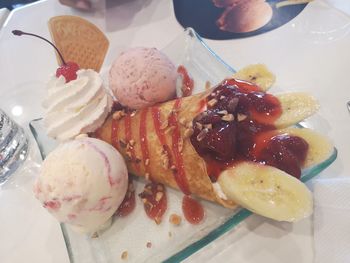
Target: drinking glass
column 13, row 146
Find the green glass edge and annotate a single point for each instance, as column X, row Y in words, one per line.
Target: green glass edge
column 241, row 215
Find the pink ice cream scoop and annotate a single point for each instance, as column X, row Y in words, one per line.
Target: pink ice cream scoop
column 141, row 77
column 82, row 183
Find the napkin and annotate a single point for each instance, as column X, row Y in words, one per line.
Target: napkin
column 332, row 220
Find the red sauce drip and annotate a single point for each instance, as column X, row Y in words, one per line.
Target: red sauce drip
column 187, row 81
column 128, row 137
column 143, row 137
column 154, row 200
column 252, row 139
column 179, row 173
column 215, row 167
column 128, row 204
column 114, row 133
column 192, row 209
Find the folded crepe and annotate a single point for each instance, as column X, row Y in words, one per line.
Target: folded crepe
column 156, row 143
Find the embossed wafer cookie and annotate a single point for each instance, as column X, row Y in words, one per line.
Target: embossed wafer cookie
column 79, row 41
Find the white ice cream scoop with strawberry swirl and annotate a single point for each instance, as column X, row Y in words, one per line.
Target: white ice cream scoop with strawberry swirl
column 82, row 183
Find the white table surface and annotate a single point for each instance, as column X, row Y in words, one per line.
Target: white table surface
column 310, row 53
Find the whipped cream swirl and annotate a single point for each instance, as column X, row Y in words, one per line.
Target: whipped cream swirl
column 79, row 106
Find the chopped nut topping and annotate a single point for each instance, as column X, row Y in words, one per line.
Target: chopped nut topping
column 241, row 117
column 118, row 115
column 144, row 200
column 222, row 97
column 158, row 220
column 175, row 219
column 147, row 175
column 228, row 117
column 94, row 235
column 207, row 85
column 212, row 102
column 165, row 162
column 173, row 167
column 202, row 134
column 147, row 162
column 170, row 129
column 188, row 132
column 159, row 196
column 122, row 143
column 199, row 125
column 208, row 126
column 124, row 255
column 164, row 124
column 133, row 113
column 223, row 112
column 182, row 121
column 132, row 142
column 149, row 245
column 165, row 159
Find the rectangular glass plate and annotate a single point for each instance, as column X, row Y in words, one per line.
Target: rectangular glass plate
column 169, row 243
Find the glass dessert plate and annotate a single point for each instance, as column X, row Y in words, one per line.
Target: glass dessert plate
column 169, row 243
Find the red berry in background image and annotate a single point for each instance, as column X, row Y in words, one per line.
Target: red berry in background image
column 68, row 71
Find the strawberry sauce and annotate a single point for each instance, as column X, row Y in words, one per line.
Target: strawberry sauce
column 128, row 204
column 187, row 81
column 192, row 209
column 238, row 125
column 154, row 201
column 179, row 173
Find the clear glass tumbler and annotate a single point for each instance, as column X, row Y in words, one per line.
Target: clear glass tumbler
column 13, row 146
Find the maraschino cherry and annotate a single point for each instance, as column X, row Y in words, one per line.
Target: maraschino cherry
column 67, row 70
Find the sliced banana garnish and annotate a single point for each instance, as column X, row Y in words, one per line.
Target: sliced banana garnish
column 267, row 191
column 296, row 107
column 258, row 74
column 320, row 147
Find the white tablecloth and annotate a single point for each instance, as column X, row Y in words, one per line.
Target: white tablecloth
column 309, row 53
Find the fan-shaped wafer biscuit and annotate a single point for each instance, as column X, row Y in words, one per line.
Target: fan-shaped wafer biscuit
column 79, row 41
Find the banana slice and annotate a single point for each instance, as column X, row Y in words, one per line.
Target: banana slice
column 258, row 74
column 320, row 147
column 267, row 191
column 296, row 107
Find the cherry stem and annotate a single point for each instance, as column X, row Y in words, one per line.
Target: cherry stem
column 20, row 33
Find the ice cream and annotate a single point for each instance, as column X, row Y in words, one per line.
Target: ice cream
column 244, row 16
column 141, row 77
column 78, row 106
column 82, row 183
